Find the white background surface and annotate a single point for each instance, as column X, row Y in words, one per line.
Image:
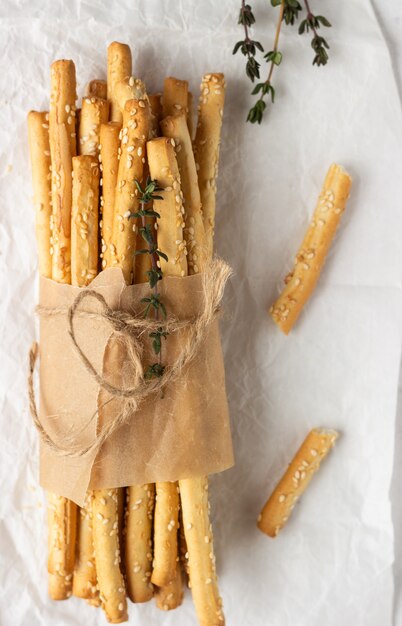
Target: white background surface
column 333, row 564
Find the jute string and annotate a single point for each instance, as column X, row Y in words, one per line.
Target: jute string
column 130, row 328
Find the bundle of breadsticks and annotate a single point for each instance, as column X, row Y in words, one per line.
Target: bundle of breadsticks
column 144, row 540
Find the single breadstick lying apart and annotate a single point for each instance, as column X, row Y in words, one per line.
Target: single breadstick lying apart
column 109, row 160
column 94, row 112
column 112, row 590
column 206, row 147
column 305, row 463
column 119, row 67
column 84, row 222
column 97, row 88
column 175, row 95
column 62, row 524
column 38, row 134
column 85, row 579
column 311, row 256
column 194, row 233
column 201, row 558
column 171, row 595
column 165, row 534
column 138, row 546
column 62, row 100
column 134, row 134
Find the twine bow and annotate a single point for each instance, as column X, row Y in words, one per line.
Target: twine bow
column 130, row 328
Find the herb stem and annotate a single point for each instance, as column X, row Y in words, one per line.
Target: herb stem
column 276, row 42
column 309, row 16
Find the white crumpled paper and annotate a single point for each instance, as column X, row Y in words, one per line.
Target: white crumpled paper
column 332, row 564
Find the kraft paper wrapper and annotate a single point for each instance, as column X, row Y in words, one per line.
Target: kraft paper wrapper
column 186, row 433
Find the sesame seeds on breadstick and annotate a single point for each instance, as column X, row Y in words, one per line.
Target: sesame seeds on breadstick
column 62, row 523
column 94, row 112
column 312, row 253
column 170, row 596
column 305, row 463
column 129, row 88
column 165, row 533
column 109, row 158
column 85, row 580
column 138, row 544
column 175, row 96
column 62, row 99
column 206, row 147
column 119, row 67
column 38, row 134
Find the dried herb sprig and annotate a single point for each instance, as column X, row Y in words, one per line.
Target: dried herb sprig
column 289, row 13
column 153, row 303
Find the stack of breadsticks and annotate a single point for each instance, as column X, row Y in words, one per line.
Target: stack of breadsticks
column 144, row 540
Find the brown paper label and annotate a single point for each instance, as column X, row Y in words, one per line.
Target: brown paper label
column 185, row 433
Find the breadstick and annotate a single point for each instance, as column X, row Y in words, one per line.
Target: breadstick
column 84, row 223
column 206, row 147
column 109, row 158
column 97, row 88
column 165, row 534
column 305, row 463
column 62, row 523
column 138, row 551
column 155, row 101
column 190, row 114
column 38, row 134
column 62, row 100
column 201, row 559
column 175, row 93
column 118, row 68
column 171, row 595
column 134, row 134
column 112, row 591
column 94, row 112
column 85, row 580
column 311, row 256
column 163, row 168
column 129, row 88
column 194, row 232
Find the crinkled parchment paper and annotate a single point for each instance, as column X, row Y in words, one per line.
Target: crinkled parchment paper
column 332, row 564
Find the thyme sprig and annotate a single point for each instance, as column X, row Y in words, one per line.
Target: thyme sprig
column 289, row 13
column 153, row 303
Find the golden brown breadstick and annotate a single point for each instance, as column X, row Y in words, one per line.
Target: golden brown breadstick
column 85, row 580
column 94, row 112
column 311, row 256
column 134, row 134
column 206, row 147
column 171, row 595
column 109, row 159
column 62, row 523
column 305, row 463
column 175, row 94
column 163, row 168
column 190, row 114
column 201, row 558
column 38, row 135
column 118, row 67
column 97, row 88
column 138, row 550
column 194, row 232
column 155, row 101
column 112, row 590
column 165, row 534
column 62, row 100
column 129, row 88
column 84, row 220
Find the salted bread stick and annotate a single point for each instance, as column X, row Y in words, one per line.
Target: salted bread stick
column 190, row 114
column 194, row 232
column 175, row 94
column 206, row 147
column 302, row 468
column 310, row 258
column 171, row 595
column 62, row 524
column 109, row 159
column 97, row 88
column 119, row 66
column 163, row 168
column 201, row 558
column 63, row 94
column 84, row 220
column 129, row 88
column 165, row 533
column 134, row 134
column 138, row 548
column 85, row 580
column 94, row 112
column 112, row 590
column 38, row 135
